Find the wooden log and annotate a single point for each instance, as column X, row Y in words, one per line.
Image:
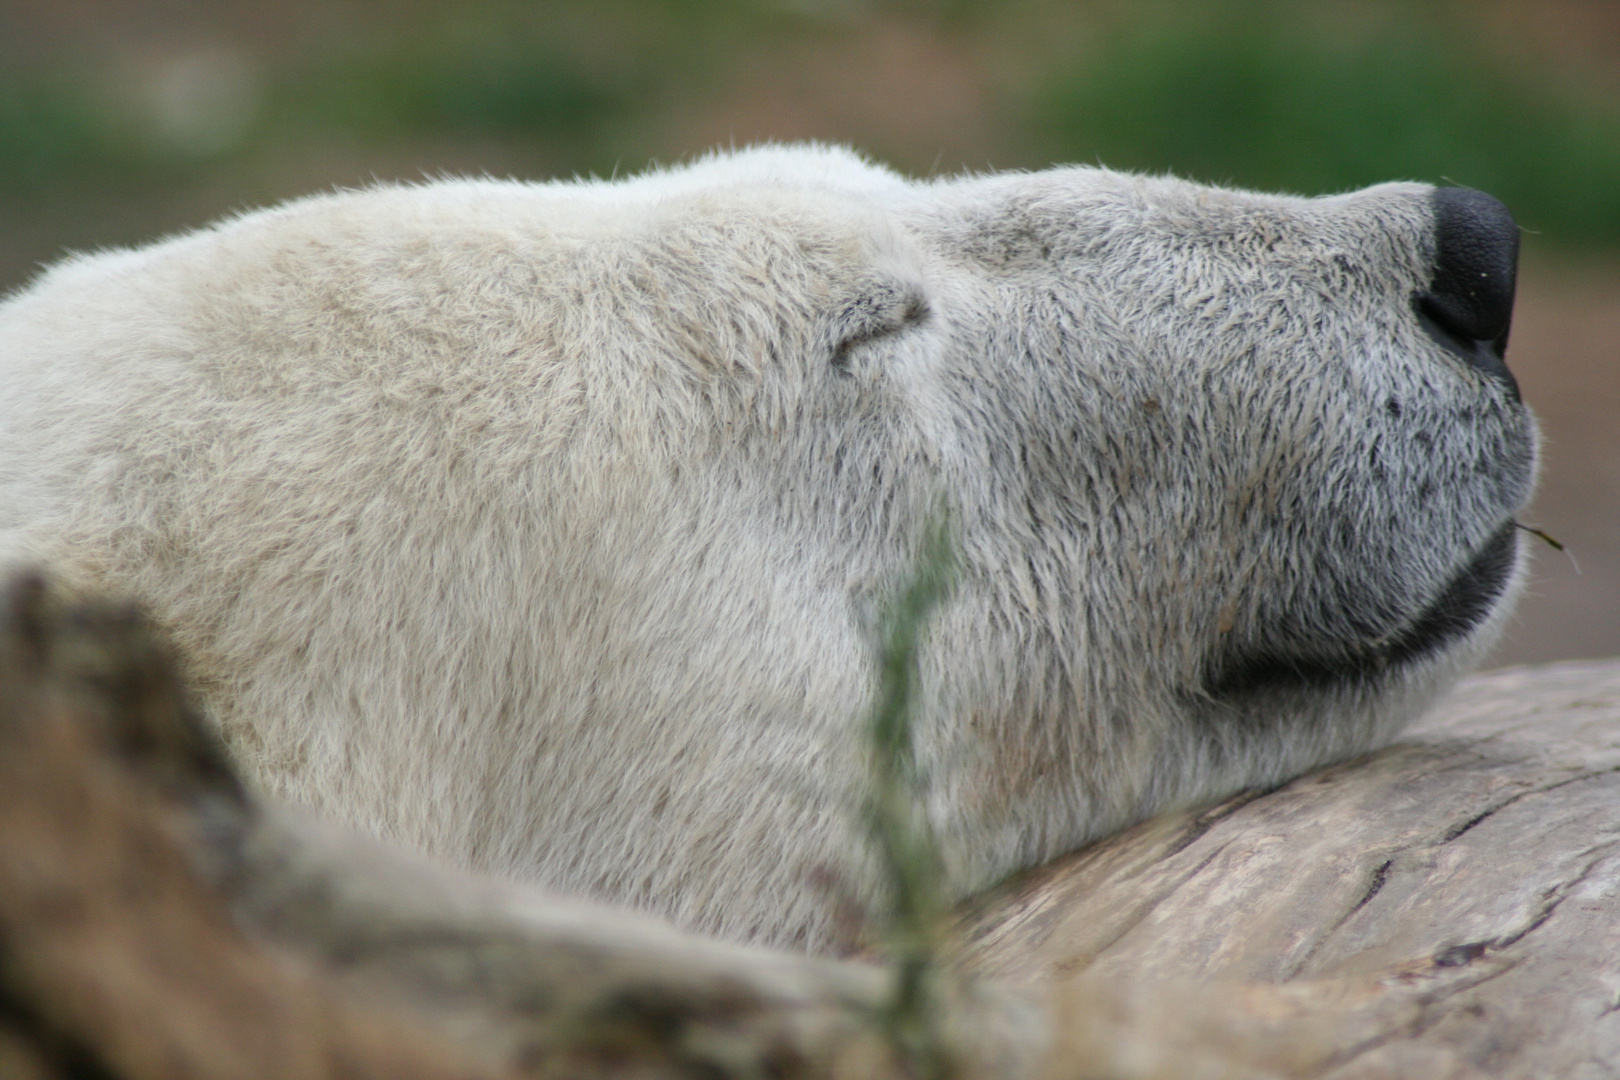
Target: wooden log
column 1447, row 906
column 118, row 960
column 157, row 920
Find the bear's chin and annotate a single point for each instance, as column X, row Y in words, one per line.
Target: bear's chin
column 1466, row 602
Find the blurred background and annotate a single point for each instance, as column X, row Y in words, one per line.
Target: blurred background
column 121, row 120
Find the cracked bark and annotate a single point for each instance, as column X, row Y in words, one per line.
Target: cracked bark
column 1447, row 907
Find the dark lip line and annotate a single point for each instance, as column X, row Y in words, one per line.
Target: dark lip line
column 1489, row 356
column 1460, row 607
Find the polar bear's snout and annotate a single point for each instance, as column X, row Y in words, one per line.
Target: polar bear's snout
column 1380, row 618
column 1468, row 307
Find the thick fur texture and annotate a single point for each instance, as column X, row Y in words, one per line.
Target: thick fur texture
column 543, row 527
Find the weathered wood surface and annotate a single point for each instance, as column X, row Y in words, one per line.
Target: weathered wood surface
column 118, row 960
column 1447, row 906
column 158, row 922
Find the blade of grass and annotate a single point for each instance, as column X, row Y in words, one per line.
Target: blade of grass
column 899, row 823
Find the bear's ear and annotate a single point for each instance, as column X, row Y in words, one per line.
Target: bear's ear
column 881, row 308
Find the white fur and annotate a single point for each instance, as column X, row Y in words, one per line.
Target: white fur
column 540, row 526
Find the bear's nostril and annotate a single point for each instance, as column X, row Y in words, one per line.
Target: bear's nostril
column 1468, row 307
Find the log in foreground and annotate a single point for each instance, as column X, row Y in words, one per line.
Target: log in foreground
column 159, row 921
column 118, row 957
column 1447, row 907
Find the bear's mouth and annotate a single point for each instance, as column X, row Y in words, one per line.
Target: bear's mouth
column 1465, row 602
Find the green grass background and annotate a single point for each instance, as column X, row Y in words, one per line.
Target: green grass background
column 1306, row 98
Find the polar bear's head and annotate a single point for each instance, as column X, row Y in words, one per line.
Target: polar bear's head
column 1235, row 474
column 542, row 526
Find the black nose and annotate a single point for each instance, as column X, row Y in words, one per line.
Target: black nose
column 1469, row 305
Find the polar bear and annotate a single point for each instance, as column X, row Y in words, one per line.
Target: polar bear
column 543, row 527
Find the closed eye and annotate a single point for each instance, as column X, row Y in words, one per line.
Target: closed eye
column 914, row 312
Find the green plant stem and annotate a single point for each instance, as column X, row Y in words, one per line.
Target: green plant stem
column 899, row 822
